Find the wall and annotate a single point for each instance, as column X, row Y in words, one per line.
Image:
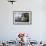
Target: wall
column 9, row 31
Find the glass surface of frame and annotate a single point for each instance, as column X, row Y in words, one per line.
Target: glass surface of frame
column 22, row 17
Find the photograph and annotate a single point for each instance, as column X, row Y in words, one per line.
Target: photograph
column 22, row 22
column 22, row 17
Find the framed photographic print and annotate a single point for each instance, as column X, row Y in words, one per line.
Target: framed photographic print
column 22, row 17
